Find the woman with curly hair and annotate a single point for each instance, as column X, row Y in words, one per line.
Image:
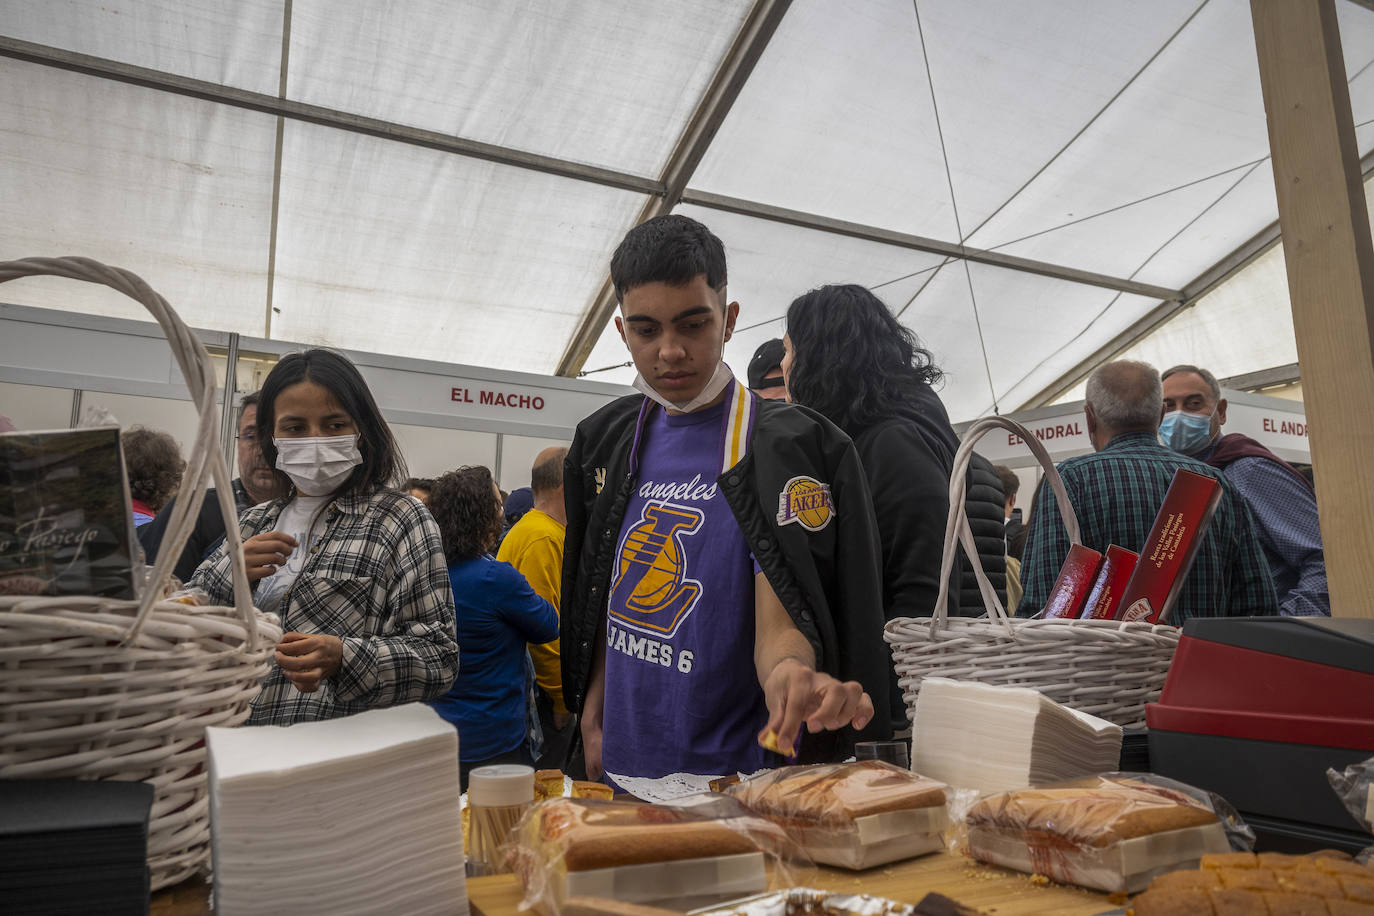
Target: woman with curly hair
column 498, row 614
column 848, row 358
column 153, row 461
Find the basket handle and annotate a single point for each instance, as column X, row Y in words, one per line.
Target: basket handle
column 206, row 461
column 957, row 526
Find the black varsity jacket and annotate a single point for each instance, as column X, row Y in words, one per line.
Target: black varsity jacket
column 820, row 555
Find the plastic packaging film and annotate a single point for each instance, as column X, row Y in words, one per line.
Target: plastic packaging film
column 1355, row 787
column 1113, row 832
column 855, row 815
column 642, row 853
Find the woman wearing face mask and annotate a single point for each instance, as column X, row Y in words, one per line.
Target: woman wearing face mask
column 498, row 614
column 353, row 567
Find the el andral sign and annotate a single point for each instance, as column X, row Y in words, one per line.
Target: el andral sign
column 1049, row 433
column 1277, row 424
column 497, row 398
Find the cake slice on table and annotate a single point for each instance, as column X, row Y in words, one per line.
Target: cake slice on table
column 1112, row 833
column 854, row 815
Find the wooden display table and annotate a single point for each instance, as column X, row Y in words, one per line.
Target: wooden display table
column 993, row 890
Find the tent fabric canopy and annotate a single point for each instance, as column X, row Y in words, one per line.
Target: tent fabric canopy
column 446, row 180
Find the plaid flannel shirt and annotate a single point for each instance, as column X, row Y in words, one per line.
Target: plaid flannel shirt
column 1116, row 494
column 376, row 578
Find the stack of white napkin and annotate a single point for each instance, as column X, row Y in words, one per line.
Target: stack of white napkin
column 994, row 739
column 353, row 815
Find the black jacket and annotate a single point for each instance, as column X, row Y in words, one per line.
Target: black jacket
column 901, row 456
column 985, row 506
column 205, row 537
column 827, row 579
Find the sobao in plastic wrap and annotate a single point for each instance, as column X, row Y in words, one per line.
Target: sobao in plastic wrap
column 642, row 853
column 1355, row 786
column 855, row 815
column 1113, row 832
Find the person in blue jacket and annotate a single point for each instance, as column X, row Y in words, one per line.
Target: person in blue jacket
column 498, row 613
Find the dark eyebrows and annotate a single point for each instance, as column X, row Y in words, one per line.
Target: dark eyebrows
column 338, row 415
column 680, row 316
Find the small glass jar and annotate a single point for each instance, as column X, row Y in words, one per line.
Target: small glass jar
column 894, row 752
column 498, row 796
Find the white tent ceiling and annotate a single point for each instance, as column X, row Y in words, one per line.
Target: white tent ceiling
column 446, row 179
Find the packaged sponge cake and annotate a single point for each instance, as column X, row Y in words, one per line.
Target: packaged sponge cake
column 1113, row 833
column 854, row 815
column 640, row 853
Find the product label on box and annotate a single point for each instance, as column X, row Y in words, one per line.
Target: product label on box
column 65, row 523
column 1168, row 552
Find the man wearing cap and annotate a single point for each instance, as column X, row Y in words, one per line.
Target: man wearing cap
column 1281, row 500
column 765, row 371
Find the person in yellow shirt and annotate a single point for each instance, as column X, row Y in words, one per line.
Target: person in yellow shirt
column 534, row 546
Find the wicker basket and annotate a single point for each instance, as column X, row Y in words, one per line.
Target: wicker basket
column 1109, row 668
column 94, row 688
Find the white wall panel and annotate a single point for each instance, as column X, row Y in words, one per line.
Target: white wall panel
column 517, row 458
column 165, row 414
column 36, row 407
column 431, row 451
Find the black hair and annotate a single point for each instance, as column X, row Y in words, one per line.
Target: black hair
column 465, row 508
column 669, row 249
column 382, row 464
column 852, row 361
column 154, row 464
column 548, row 475
column 418, row 483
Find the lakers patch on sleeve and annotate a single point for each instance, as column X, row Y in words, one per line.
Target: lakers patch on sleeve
column 806, row 501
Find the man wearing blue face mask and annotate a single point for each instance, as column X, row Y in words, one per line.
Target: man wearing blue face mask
column 1281, row 500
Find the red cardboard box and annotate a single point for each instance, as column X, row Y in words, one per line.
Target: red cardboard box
column 1075, row 580
column 1168, row 552
column 1105, row 598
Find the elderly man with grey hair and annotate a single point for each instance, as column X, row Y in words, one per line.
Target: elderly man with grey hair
column 1117, row 491
column 1282, row 500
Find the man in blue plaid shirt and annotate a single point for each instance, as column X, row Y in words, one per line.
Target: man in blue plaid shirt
column 1117, row 491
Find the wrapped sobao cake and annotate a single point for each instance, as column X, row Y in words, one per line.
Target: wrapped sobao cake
column 642, row 853
column 854, row 815
column 1113, row 833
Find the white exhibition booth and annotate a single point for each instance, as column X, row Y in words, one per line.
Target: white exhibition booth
column 54, row 365
column 1278, row 424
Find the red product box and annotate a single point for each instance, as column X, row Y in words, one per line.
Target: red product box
column 1075, row 579
column 1115, row 572
column 1168, row 552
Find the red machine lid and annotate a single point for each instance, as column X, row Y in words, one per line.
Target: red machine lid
column 1215, row 675
column 1356, row 734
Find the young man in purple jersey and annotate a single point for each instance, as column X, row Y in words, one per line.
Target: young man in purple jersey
column 721, row 575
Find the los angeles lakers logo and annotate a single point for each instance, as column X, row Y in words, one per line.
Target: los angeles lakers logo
column 807, row 502
column 651, row 591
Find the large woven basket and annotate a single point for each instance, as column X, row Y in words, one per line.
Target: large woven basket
column 1109, row 668
column 94, row 688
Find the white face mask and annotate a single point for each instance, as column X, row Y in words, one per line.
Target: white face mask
column 719, row 379
column 318, row 466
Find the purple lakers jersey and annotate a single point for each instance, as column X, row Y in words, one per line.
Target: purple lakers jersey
column 682, row 694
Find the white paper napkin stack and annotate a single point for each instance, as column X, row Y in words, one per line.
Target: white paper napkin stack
column 353, row 815
column 994, row 739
